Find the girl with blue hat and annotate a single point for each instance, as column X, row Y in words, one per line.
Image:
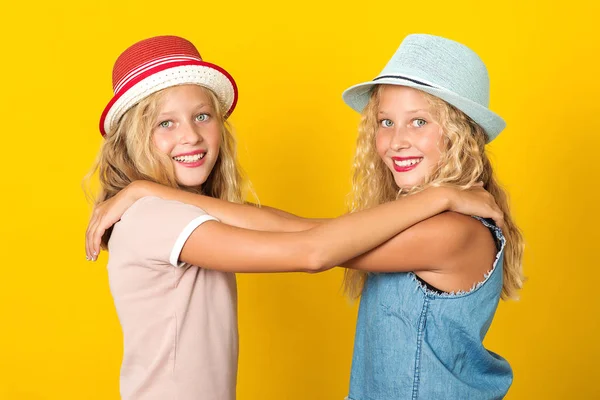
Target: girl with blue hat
column 429, row 294
column 425, row 122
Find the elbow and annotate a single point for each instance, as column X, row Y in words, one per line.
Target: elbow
column 310, row 253
column 317, row 260
column 314, row 267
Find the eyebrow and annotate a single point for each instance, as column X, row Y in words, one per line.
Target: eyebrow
column 196, row 109
column 408, row 112
column 202, row 105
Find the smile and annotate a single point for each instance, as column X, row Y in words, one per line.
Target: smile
column 406, row 164
column 189, row 159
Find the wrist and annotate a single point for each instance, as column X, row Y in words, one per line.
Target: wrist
column 137, row 189
column 444, row 197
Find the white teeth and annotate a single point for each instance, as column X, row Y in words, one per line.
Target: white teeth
column 407, row 163
column 190, row 159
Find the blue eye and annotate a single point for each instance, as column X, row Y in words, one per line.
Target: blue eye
column 202, row 117
column 165, row 124
column 418, row 122
column 386, row 123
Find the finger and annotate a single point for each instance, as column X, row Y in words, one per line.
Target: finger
column 499, row 219
column 86, row 244
column 101, row 229
column 95, row 239
column 97, row 214
column 99, row 232
column 90, row 239
column 500, row 223
column 88, row 233
column 98, row 243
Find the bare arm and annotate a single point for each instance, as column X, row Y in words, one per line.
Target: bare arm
column 288, row 215
column 442, row 243
column 240, row 215
column 222, row 247
column 245, row 216
column 474, row 201
column 448, row 244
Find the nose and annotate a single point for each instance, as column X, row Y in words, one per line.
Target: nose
column 399, row 140
column 189, row 134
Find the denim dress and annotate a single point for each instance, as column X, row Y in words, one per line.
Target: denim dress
column 415, row 343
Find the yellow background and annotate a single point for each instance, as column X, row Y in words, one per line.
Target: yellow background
column 59, row 334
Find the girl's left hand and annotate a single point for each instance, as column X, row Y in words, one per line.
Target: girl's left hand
column 105, row 215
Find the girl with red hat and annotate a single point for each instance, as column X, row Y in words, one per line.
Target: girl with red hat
column 171, row 265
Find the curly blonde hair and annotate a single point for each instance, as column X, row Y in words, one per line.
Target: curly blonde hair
column 129, row 154
column 463, row 163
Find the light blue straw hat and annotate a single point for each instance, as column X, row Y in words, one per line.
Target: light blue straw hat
column 443, row 68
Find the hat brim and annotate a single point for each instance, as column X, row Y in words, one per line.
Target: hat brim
column 199, row 73
column 358, row 96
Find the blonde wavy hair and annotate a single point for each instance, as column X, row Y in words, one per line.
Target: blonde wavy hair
column 129, row 154
column 463, row 164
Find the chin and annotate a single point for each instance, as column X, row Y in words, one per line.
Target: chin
column 191, row 182
column 406, row 184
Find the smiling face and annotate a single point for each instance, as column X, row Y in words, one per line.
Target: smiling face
column 408, row 139
column 187, row 130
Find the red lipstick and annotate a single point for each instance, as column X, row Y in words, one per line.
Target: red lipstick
column 192, row 164
column 406, row 168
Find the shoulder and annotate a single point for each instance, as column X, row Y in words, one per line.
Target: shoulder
column 464, row 239
column 152, row 203
column 154, row 229
column 468, row 248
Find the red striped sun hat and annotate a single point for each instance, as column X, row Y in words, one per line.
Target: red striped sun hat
column 158, row 63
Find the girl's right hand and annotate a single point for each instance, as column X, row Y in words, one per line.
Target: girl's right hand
column 476, row 201
column 105, row 215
